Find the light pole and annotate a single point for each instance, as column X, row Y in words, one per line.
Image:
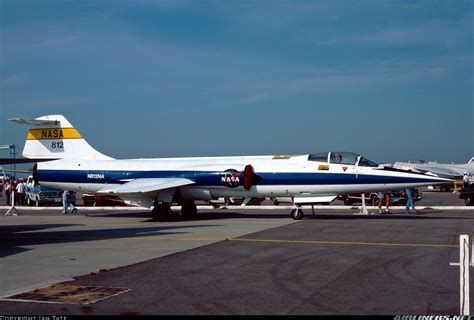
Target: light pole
column 12, row 154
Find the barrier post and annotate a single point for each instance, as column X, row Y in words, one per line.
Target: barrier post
column 363, row 209
column 12, row 211
column 464, row 274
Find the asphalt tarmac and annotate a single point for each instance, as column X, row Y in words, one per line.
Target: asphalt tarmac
column 237, row 262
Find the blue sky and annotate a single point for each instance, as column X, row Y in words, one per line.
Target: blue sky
column 392, row 80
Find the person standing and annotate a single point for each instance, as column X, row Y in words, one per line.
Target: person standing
column 7, row 192
column 70, row 204
column 384, row 195
column 20, row 192
column 410, row 204
column 465, row 180
column 65, row 202
column 13, row 195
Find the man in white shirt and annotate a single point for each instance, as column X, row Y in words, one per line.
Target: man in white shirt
column 20, row 192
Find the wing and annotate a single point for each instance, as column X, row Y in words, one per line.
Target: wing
column 33, row 121
column 146, row 185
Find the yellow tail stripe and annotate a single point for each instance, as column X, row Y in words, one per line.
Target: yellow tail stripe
column 53, row 134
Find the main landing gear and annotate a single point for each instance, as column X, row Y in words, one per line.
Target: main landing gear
column 189, row 210
column 162, row 211
column 297, row 213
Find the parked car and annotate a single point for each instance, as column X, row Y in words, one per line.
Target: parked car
column 397, row 197
column 444, row 187
column 37, row 195
column 92, row 200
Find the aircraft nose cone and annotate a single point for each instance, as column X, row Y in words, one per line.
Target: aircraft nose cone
column 426, row 178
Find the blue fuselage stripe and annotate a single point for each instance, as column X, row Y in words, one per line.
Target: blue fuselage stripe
column 213, row 178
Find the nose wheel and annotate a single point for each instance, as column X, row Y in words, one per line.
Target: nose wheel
column 297, row 214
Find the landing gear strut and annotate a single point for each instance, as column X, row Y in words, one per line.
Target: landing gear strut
column 161, row 212
column 189, row 210
column 297, row 214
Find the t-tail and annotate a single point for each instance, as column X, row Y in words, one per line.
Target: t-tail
column 53, row 137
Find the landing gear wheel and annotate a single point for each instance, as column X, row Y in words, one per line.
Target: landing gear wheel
column 444, row 189
column 160, row 212
column 297, row 214
column 275, row 201
column 189, row 210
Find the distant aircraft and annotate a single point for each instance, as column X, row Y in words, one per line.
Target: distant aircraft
column 69, row 162
column 450, row 171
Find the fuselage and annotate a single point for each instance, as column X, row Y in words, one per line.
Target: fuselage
column 214, row 177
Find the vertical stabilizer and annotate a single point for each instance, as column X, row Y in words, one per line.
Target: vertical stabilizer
column 53, row 137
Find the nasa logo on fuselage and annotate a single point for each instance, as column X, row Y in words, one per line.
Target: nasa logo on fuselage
column 231, row 178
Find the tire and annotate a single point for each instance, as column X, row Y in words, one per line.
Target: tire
column 444, row 189
column 160, row 212
column 189, row 210
column 297, row 214
column 469, row 200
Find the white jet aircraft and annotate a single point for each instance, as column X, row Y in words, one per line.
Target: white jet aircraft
column 450, row 171
column 69, row 162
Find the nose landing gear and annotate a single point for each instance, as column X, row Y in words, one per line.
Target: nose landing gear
column 297, row 213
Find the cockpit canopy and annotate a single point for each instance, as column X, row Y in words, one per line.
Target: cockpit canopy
column 342, row 158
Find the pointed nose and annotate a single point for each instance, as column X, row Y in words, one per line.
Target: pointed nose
column 430, row 178
column 408, row 178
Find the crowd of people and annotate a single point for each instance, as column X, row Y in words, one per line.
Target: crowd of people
column 17, row 188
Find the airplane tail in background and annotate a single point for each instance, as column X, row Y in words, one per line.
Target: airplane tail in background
column 53, row 137
column 471, row 161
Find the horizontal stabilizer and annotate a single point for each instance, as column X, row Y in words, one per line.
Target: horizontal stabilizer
column 35, row 122
column 146, row 185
